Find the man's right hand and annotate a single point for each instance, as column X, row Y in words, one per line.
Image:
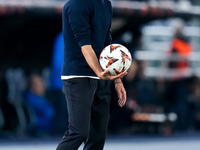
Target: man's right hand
column 90, row 57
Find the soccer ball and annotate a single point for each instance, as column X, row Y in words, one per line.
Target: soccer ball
column 116, row 58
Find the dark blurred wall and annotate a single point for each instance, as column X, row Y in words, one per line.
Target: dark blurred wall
column 26, row 40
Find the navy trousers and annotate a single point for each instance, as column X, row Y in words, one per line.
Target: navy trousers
column 88, row 103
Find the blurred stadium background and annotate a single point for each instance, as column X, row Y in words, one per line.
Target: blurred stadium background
column 163, row 84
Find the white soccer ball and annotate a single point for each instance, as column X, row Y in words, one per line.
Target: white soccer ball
column 116, row 58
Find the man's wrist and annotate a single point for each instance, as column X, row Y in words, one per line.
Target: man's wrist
column 118, row 82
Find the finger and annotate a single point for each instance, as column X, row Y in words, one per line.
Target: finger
column 120, row 96
column 121, row 103
column 124, row 98
column 123, row 74
column 119, row 75
column 106, row 71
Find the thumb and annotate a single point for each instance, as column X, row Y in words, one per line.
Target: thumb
column 106, row 71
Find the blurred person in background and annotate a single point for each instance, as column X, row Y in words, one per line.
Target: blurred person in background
column 177, row 61
column 55, row 91
column 35, row 97
column 181, row 49
column 57, row 61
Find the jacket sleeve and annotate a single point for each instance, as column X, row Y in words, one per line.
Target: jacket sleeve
column 79, row 13
column 108, row 36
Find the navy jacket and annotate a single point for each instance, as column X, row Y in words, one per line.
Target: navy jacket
column 85, row 22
